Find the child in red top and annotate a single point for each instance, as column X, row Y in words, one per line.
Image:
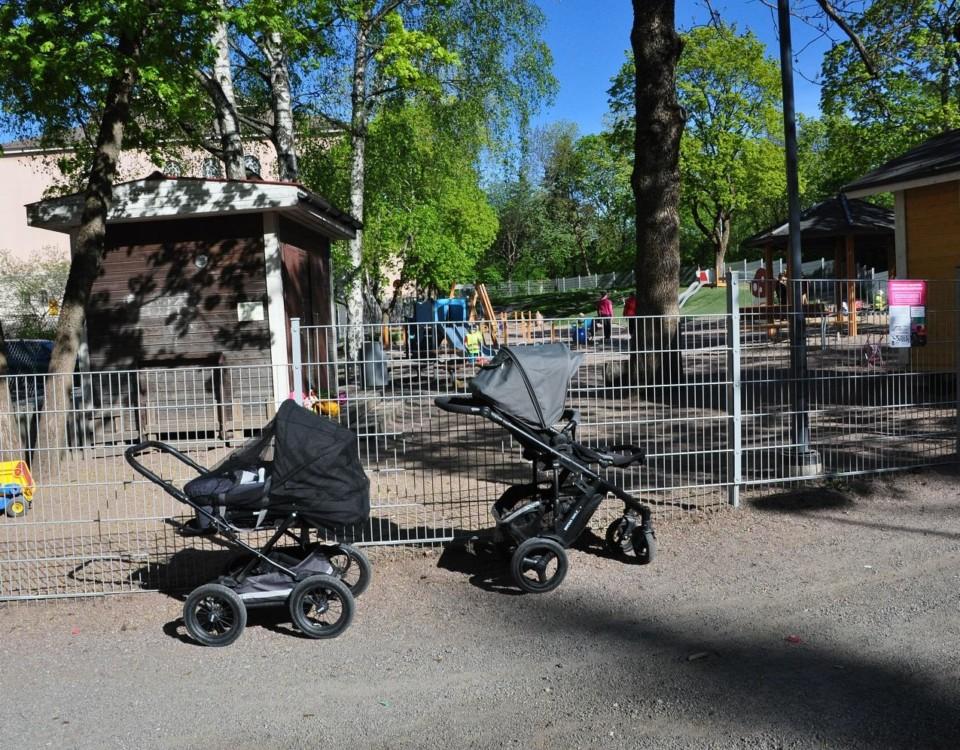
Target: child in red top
column 605, row 313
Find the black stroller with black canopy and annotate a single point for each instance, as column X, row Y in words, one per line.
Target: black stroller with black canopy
column 301, row 474
column 524, row 389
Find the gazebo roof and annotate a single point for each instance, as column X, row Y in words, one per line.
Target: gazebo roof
column 159, row 197
column 835, row 217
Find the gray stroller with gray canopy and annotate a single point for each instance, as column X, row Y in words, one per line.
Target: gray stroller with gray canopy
column 301, row 475
column 524, row 390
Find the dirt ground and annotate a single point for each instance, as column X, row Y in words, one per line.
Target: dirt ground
column 825, row 618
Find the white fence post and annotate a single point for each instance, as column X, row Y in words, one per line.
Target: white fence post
column 734, row 425
column 297, row 360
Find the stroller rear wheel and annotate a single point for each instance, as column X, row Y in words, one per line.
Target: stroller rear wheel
column 351, row 566
column 539, row 565
column 214, row 615
column 321, row 606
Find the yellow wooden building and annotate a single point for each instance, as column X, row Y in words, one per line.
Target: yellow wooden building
column 925, row 183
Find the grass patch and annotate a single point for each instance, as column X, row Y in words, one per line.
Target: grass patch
column 707, row 301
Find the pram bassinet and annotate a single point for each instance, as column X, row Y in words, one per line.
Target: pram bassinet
column 300, row 463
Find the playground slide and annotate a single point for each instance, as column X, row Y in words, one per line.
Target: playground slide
column 457, row 336
column 690, row 291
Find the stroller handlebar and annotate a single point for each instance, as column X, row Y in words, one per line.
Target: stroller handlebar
column 131, row 454
column 461, row 405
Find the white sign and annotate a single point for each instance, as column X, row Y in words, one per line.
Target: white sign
column 900, row 326
column 248, row 312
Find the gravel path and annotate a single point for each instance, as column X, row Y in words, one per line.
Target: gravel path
column 820, row 619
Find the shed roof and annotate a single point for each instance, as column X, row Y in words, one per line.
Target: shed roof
column 835, row 217
column 934, row 160
column 160, row 197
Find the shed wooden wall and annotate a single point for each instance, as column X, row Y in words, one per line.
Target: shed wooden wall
column 306, row 295
column 178, row 312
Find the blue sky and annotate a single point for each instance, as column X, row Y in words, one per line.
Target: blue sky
column 590, row 37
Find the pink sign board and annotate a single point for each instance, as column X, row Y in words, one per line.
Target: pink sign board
column 906, row 292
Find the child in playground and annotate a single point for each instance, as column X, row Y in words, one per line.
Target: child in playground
column 473, row 341
column 605, row 313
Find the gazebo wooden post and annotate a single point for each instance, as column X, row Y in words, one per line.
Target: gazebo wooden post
column 838, row 264
column 851, row 271
column 770, row 288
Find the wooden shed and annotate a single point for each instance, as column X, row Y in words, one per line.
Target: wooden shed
column 925, row 182
column 204, row 274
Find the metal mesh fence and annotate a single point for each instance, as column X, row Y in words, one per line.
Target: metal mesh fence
column 708, row 397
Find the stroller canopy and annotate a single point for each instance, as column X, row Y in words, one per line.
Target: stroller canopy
column 528, row 382
column 316, row 466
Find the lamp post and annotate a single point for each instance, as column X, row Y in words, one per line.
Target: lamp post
column 803, row 458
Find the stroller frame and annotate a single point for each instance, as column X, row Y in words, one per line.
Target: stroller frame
column 564, row 458
column 306, row 584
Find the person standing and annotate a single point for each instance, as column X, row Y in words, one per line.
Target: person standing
column 605, row 313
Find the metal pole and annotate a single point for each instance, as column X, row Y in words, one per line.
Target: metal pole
column 806, row 460
column 734, row 426
column 297, row 360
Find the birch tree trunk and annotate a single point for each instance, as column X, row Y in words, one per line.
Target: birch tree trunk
column 220, row 88
column 87, row 258
column 656, row 189
column 281, row 100
column 358, row 142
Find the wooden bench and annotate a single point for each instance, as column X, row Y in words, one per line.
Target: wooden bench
column 776, row 316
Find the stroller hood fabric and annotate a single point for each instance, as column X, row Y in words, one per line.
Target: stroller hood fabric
column 528, row 382
column 316, row 466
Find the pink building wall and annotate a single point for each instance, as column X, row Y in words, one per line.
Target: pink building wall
column 27, row 174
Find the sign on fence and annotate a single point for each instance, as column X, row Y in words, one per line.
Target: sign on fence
column 908, row 313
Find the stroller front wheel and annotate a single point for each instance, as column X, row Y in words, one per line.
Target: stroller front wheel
column 214, row 615
column 644, row 544
column 321, row 606
column 539, row 565
column 619, row 537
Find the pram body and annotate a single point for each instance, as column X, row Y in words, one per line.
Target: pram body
column 524, row 391
column 301, row 475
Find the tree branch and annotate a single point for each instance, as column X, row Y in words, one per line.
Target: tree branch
column 840, row 21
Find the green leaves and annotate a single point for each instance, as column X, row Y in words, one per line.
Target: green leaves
column 916, row 93
column 59, row 60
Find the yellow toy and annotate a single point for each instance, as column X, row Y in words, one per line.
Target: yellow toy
column 16, row 488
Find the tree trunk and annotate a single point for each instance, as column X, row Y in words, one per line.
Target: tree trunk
column 9, row 429
column 721, row 243
column 220, row 89
column 281, row 101
column 656, row 189
column 358, row 142
column 87, row 257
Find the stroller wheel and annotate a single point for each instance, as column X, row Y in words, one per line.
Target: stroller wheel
column 351, row 566
column 619, row 537
column 644, row 545
column 321, row 606
column 538, row 565
column 214, row 615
